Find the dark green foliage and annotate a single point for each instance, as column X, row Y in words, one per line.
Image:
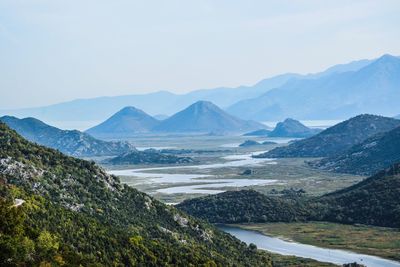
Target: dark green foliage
column 372, row 155
column 336, row 139
column 75, row 213
column 148, row 156
column 244, row 206
column 374, row 201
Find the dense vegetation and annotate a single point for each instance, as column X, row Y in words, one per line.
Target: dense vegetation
column 76, row 214
column 74, row 143
column 374, row 201
column 149, row 156
column 374, row 154
column 244, row 206
column 336, row 139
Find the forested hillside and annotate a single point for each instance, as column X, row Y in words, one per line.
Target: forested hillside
column 367, row 158
column 337, row 138
column 58, row 210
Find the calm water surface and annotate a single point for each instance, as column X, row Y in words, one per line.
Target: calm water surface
column 280, row 246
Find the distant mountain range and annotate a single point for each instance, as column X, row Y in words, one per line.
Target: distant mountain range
column 126, row 122
column 162, row 102
column 201, row 117
column 337, row 138
column 205, row 117
column 374, row 154
column 374, row 88
column 364, row 86
column 374, row 201
column 74, row 143
column 292, row 128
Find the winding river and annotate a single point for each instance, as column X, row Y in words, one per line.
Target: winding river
column 205, row 183
column 283, row 247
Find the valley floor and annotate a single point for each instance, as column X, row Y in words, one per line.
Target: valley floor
column 173, row 185
column 378, row 241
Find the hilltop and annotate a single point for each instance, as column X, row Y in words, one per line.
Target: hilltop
column 292, row 128
column 205, row 117
column 126, row 122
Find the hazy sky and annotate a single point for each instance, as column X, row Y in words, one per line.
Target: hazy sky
column 51, row 51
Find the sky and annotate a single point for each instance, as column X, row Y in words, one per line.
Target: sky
column 54, row 51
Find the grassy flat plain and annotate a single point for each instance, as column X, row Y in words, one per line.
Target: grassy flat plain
column 378, row 241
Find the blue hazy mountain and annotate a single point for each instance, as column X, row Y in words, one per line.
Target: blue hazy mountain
column 160, row 117
column 292, row 128
column 205, row 117
column 163, row 102
column 71, row 142
column 96, row 109
column 126, row 122
column 374, row 88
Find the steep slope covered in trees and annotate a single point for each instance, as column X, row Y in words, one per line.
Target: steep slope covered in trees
column 73, row 213
column 374, row 154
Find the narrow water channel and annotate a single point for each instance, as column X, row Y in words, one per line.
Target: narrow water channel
column 283, row 247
